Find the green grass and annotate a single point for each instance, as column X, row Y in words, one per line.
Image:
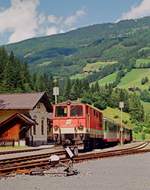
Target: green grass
column 79, row 76
column 108, row 79
column 112, row 113
column 91, row 67
column 146, row 106
column 138, row 136
column 141, row 63
column 44, row 63
column 133, row 79
column 12, row 148
column 115, row 114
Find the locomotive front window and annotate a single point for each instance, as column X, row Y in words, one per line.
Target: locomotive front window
column 61, row 111
column 76, row 111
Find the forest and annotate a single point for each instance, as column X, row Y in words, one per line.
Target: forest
column 16, row 78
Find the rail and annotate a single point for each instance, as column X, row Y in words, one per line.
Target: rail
column 8, row 166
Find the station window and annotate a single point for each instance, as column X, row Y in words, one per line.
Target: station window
column 34, row 130
column 30, row 130
column 49, row 125
column 61, row 111
column 42, row 127
column 76, row 111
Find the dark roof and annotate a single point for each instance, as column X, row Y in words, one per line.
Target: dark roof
column 22, row 117
column 26, row 101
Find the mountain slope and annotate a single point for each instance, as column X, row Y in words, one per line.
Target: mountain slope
column 68, row 53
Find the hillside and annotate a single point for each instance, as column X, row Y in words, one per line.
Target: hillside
column 115, row 115
column 72, row 53
column 112, row 53
column 133, row 79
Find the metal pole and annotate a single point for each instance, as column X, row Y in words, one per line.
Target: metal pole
column 121, row 130
column 55, row 99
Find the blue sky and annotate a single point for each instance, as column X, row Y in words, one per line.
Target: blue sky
column 23, row 19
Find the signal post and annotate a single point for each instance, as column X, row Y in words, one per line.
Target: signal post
column 121, row 106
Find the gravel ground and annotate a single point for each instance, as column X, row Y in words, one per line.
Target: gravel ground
column 118, row 173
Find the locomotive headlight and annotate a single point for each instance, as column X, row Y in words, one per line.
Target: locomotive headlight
column 56, row 127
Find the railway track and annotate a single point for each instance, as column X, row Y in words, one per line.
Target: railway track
column 23, row 165
column 24, row 150
column 111, row 153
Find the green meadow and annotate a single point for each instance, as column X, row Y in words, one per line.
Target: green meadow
column 108, row 79
column 143, row 62
column 134, row 77
column 115, row 114
column 89, row 68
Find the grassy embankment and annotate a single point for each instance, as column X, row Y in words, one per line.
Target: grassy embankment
column 90, row 68
column 115, row 115
column 133, row 79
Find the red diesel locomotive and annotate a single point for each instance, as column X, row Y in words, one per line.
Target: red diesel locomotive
column 83, row 124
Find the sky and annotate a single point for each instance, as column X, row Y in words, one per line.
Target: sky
column 24, row 19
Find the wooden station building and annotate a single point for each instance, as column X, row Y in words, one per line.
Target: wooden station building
column 25, row 119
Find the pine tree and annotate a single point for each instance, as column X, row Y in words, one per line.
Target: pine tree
column 3, row 61
column 67, row 89
column 8, row 75
column 136, row 108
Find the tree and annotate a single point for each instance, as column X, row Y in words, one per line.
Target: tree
column 67, row 89
column 145, row 96
column 144, row 80
column 101, row 104
column 136, row 108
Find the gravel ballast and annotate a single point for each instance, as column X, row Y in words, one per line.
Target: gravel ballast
column 117, row 173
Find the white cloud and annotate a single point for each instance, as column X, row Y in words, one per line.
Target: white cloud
column 22, row 21
column 54, row 19
column 41, row 19
column 143, row 9
column 69, row 21
column 52, row 30
column 63, row 24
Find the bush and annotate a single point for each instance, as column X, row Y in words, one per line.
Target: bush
column 144, row 80
column 100, row 105
column 116, row 116
column 125, row 121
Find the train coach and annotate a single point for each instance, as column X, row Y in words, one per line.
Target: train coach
column 84, row 125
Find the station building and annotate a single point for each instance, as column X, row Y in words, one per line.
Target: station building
column 25, row 119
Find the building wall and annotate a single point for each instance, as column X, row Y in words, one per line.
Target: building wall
column 38, row 134
column 12, row 133
column 39, row 113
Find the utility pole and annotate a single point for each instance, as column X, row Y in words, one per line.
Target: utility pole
column 121, row 106
column 56, row 93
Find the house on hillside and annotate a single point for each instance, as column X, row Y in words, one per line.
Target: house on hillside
column 25, row 117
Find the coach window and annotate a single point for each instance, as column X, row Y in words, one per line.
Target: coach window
column 61, row 111
column 97, row 114
column 106, row 125
column 76, row 111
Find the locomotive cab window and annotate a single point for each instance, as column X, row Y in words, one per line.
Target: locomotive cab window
column 61, row 111
column 76, row 111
